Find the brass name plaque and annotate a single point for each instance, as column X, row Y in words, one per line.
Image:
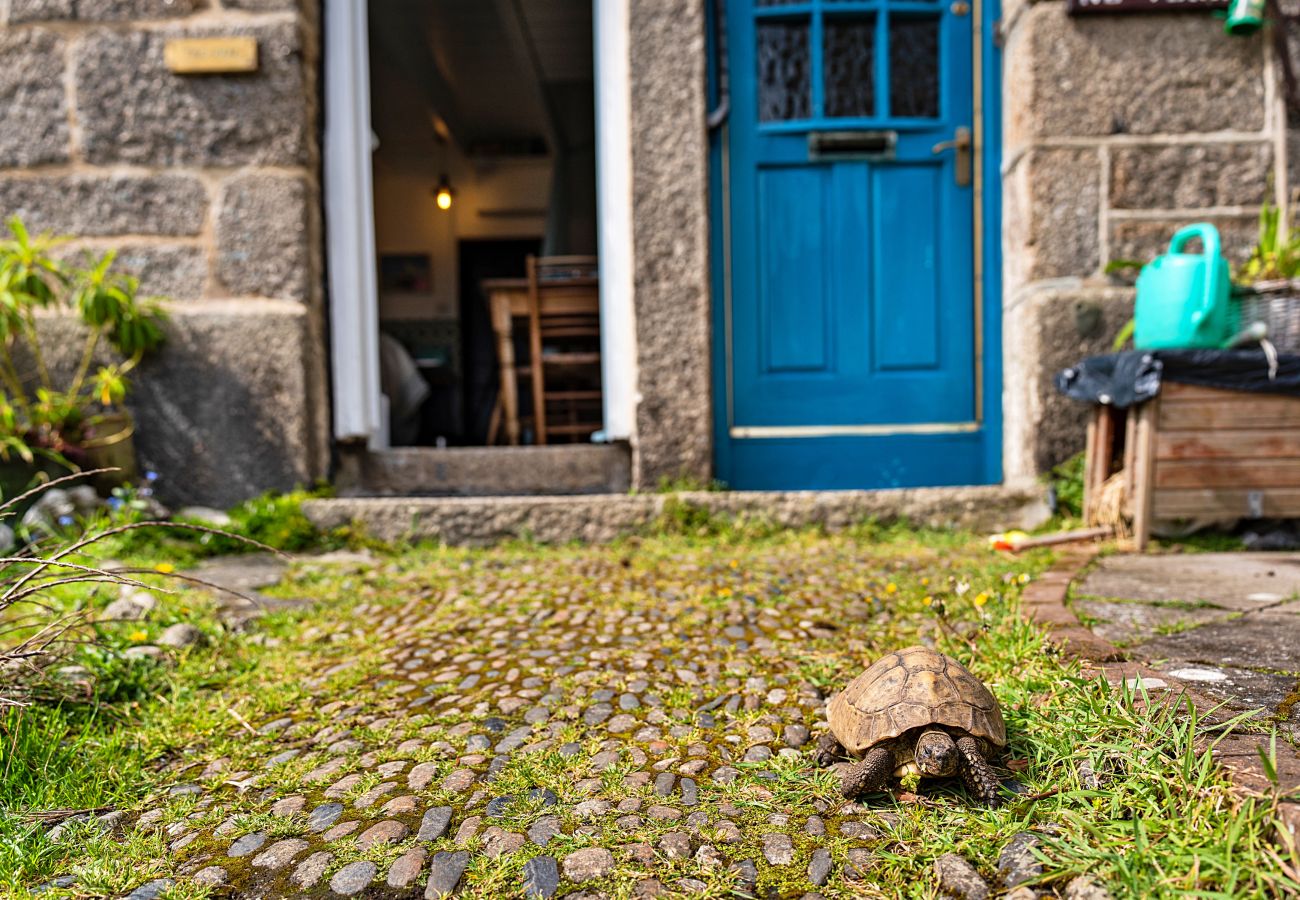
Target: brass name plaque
column 211, row 56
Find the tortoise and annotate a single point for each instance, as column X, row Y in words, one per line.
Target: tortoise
column 915, row 712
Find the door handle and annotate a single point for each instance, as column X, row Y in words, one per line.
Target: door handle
column 964, row 146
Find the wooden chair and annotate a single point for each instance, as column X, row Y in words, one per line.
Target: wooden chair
column 564, row 346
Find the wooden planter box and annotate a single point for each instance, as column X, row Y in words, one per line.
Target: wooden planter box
column 1196, row 452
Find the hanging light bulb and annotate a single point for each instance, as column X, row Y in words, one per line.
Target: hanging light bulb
column 443, row 194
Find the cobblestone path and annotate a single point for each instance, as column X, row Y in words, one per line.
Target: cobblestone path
column 578, row 723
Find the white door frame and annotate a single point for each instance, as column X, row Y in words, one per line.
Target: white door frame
column 350, row 227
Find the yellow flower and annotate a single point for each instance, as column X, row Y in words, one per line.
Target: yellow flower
column 164, row 568
column 1024, row 578
column 137, row 636
column 735, row 564
column 925, row 582
column 981, row 598
column 891, row 588
column 725, row 592
column 928, row 601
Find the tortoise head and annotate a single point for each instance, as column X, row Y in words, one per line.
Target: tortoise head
column 936, row 753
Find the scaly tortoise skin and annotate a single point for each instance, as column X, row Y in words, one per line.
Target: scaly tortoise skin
column 915, row 711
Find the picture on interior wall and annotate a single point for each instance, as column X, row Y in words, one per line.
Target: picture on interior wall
column 406, row 273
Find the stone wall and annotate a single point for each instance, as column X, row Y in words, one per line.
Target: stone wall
column 208, row 186
column 1118, row 129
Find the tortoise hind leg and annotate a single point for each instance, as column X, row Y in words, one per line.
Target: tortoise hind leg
column 870, row 775
column 829, row 749
column 976, row 772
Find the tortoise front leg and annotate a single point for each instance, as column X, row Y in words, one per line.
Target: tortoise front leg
column 976, row 772
column 870, row 775
column 829, row 749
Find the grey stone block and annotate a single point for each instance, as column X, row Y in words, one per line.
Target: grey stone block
column 670, row 236
column 92, row 206
column 1145, row 239
column 1052, row 210
column 1190, row 176
column 262, row 233
column 133, row 110
column 1096, row 75
column 33, row 108
column 229, row 407
column 36, row 10
column 120, row 10
column 176, row 271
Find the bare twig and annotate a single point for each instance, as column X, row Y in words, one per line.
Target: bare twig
column 75, row 476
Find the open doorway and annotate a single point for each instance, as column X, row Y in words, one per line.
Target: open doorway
column 483, row 119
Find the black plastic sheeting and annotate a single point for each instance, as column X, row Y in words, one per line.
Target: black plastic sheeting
column 1124, row 379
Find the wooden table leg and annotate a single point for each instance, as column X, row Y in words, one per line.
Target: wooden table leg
column 502, row 327
column 1144, row 468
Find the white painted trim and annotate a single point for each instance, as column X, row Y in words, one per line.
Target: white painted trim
column 614, row 216
column 350, row 226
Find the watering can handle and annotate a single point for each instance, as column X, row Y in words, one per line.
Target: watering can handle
column 1209, row 236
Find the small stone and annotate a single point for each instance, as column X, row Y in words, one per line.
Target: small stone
column 664, row 813
column 675, row 845
column 373, row 796
column 353, row 878
column 589, row 809
column 545, row 828
column 959, row 878
column 498, row 842
column 311, row 869
column 434, row 824
column 1021, row 893
column 422, row 775
column 795, row 736
column 247, row 844
column 459, row 781
column 859, row 862
column 180, row 635
column 628, row 702
column 664, row 783
column 778, row 849
column 725, row 775
column 708, row 857
column 498, row 806
column 1084, row 888
column 648, row 888
column 289, row 806
column 859, row 831
column 588, row 864
column 690, row 792
column 212, row 876
column 406, row 868
column 341, row 830
column 541, row 877
column 468, row 829
column 761, row 753
column 748, row 873
column 729, row 832
column 819, row 868
column 151, row 890
column 445, row 872
column 478, row 743
column 388, row 832
column 1017, row 863
column 544, row 796
column 640, row 851
column 815, row 827
column 279, row 854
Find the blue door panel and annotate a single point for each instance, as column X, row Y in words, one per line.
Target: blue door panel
column 792, row 310
column 908, row 233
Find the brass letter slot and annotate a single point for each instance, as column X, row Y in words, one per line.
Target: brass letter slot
column 870, row 145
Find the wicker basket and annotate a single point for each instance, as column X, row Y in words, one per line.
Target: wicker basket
column 1277, row 305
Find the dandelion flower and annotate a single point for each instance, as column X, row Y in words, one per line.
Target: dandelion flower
column 925, row 582
column 891, row 588
column 164, row 568
column 928, row 601
column 981, row 598
column 735, row 564
column 1024, row 578
column 137, row 636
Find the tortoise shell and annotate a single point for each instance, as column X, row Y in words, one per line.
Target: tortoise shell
column 913, row 688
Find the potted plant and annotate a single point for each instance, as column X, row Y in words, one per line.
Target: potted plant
column 1268, row 284
column 61, row 418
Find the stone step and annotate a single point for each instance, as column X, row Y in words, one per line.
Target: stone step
column 605, row 517
column 486, row 471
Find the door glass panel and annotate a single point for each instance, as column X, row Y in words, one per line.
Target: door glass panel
column 849, row 62
column 784, row 71
column 914, row 66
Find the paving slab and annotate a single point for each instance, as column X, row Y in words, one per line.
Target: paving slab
column 1244, row 582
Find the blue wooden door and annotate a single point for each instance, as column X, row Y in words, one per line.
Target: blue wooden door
column 851, row 352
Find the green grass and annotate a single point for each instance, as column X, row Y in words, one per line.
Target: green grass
column 1163, row 824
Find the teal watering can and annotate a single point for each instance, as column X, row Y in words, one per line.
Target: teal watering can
column 1184, row 299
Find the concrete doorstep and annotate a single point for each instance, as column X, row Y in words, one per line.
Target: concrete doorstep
column 600, row 518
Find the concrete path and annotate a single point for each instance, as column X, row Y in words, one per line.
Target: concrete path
column 1229, row 623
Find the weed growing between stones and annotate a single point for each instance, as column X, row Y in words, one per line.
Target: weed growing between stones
column 656, row 699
